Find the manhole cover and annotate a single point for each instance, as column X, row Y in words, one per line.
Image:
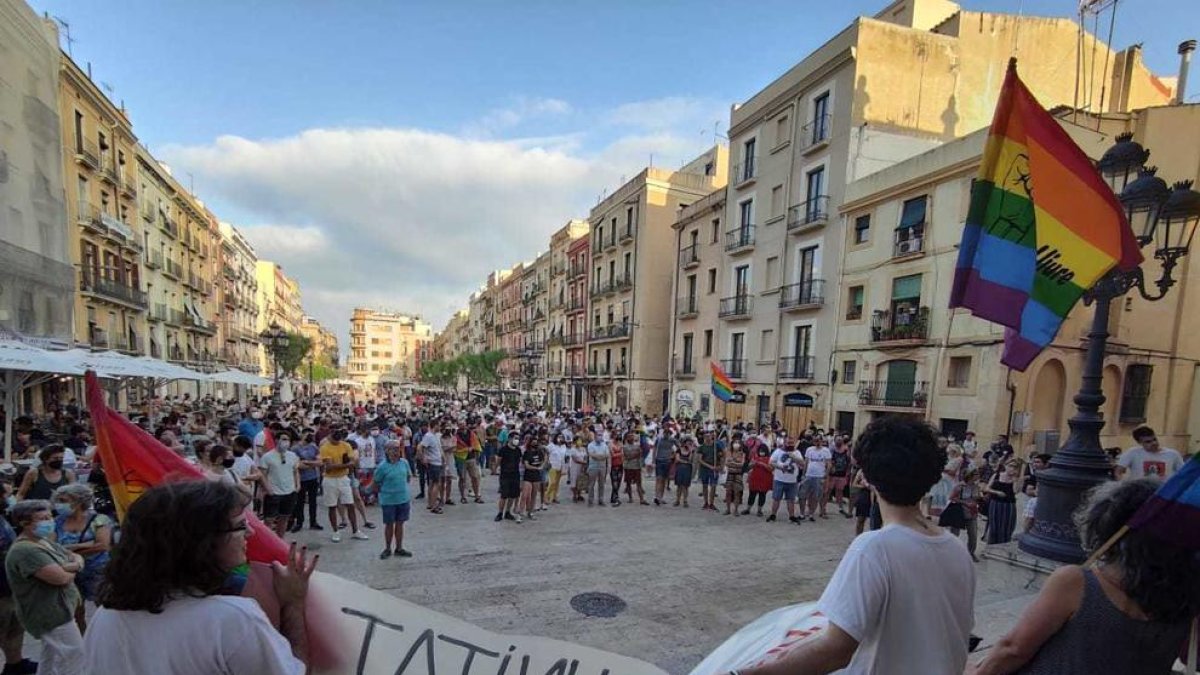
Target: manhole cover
column 598, row 604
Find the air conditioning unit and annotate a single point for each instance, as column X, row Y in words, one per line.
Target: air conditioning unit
column 1046, row 442
column 909, row 245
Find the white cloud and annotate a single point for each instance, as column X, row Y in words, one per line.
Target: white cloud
column 522, row 110
column 412, row 219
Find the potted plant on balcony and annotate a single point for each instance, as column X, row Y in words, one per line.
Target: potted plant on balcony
column 919, row 398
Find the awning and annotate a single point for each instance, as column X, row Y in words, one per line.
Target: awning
column 20, row 356
column 235, row 376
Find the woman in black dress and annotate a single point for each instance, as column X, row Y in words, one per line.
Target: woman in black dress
column 1002, row 504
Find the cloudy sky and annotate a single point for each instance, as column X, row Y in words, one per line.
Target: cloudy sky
column 390, row 154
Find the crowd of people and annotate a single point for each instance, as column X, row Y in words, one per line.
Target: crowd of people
column 63, row 546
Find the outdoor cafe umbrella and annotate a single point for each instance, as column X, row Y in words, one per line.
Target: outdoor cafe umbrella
column 23, row 365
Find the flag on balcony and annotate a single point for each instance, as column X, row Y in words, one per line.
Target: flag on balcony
column 1042, row 227
column 1173, row 512
column 135, row 461
column 722, row 386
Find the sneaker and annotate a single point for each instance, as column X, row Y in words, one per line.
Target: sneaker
column 771, row 518
column 499, row 517
column 368, row 524
column 529, row 516
column 811, row 519
column 518, row 519
column 315, row 526
column 403, row 554
column 421, row 496
column 295, row 528
column 335, row 538
column 387, row 553
column 657, row 502
column 361, row 536
column 794, row 519
column 509, row 516
column 746, row 512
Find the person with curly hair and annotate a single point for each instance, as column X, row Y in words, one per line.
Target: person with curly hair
column 879, row 611
column 1130, row 614
column 161, row 603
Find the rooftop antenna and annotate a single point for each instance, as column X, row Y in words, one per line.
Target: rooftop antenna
column 66, row 34
column 107, row 87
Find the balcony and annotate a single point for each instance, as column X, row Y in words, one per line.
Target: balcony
column 622, row 283
column 804, row 295
column 199, row 326
column 909, row 241
column 897, row 394
column 736, row 307
column 627, row 235
column 128, row 187
column 108, row 174
column 744, row 172
column 576, row 305
column 739, row 240
column 89, row 218
column 615, row 331
column 599, row 370
column 168, row 225
column 154, row 260
column 602, row 288
column 132, row 344
column 810, row 215
column 574, row 339
column 687, row 307
column 175, row 353
column 734, row 368
column 558, row 269
column 574, row 370
column 158, row 312
column 155, row 350
column 797, row 367
column 620, row 370
column 577, row 271
column 111, row 290
column 684, row 368
column 175, row 317
column 815, row 134
column 689, row 256
column 87, row 154
column 98, row 338
column 906, row 327
column 854, row 313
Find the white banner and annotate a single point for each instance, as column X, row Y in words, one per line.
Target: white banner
column 765, row 639
column 391, row 636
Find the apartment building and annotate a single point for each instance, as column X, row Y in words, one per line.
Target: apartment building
column 238, row 290
column 571, row 388
column 508, row 329
column 278, row 304
column 557, row 382
column 484, row 314
column 387, row 347
column 36, row 270
column 630, row 293
column 100, row 178
column 535, row 325
column 453, row 340
column 324, row 342
column 899, row 350
column 918, row 74
column 700, row 239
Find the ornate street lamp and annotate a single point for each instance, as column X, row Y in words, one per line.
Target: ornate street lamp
column 277, row 341
column 1162, row 216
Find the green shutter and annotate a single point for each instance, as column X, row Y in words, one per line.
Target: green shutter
column 913, row 213
column 906, row 287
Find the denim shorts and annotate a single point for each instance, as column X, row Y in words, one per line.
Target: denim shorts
column 784, row 491
column 662, row 469
column 709, row 476
column 395, row 513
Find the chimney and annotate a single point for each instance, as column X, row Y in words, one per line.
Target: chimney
column 1185, row 60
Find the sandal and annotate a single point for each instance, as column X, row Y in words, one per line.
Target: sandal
column 478, row 500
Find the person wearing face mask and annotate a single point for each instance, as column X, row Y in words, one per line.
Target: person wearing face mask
column 40, row 483
column 664, row 452
column 281, row 480
column 510, row 478
column 79, row 529
column 12, row 634
column 41, row 575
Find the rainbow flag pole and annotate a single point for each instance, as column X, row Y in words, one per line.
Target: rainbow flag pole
column 722, row 386
column 1042, row 227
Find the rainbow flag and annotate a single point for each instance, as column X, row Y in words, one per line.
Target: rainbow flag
column 1173, row 513
column 1042, row 227
column 722, row 386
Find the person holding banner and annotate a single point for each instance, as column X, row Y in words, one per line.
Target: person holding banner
column 1130, row 614
column 161, row 607
column 883, row 618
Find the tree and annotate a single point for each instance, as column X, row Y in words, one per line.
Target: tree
column 321, row 371
column 439, row 373
column 482, row 368
column 291, row 358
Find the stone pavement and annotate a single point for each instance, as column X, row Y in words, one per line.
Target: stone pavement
column 690, row 577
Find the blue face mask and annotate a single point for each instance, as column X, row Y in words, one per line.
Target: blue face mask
column 43, row 529
column 62, row 509
column 11, row 500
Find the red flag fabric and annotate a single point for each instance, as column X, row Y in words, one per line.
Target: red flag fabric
column 134, row 461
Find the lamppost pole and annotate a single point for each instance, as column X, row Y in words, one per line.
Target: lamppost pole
column 1157, row 214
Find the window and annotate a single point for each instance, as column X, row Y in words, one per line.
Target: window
column 815, row 185
column 691, row 289
column 748, row 159
column 906, row 299
column 628, row 266
column 781, row 130
column 766, row 344
column 1135, row 393
column 959, row 376
column 628, row 219
column 820, row 122
column 801, row 342
column 849, row 371
column 773, row 272
column 741, row 280
column 910, row 234
column 374, row 341
column 862, row 229
column 737, row 348
column 78, row 131
column 712, row 280
column 806, row 265
column 687, row 351
column 716, row 230
column 708, row 342
column 854, row 307
column 374, row 354
column 777, row 200
column 599, row 238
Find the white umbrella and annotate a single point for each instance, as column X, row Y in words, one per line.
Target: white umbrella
column 235, row 376
column 169, row 371
column 20, row 364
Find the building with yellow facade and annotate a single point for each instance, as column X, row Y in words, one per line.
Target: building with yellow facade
column 387, row 347
column 238, row 284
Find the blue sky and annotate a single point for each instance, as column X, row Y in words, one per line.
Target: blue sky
column 483, row 125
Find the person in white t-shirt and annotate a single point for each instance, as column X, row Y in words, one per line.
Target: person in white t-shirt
column 1148, row 459
column 281, row 480
column 168, row 585
column 787, row 465
column 812, row 488
column 884, row 617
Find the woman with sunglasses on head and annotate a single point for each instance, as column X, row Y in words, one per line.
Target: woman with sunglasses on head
column 179, row 544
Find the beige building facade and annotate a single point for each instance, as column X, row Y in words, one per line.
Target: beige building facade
column 387, row 347
column 238, row 282
column 557, row 376
column 900, row 350
column 278, row 304
column 631, row 244
column 324, row 342
column 919, row 74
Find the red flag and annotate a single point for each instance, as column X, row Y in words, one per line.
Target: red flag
column 134, row 461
